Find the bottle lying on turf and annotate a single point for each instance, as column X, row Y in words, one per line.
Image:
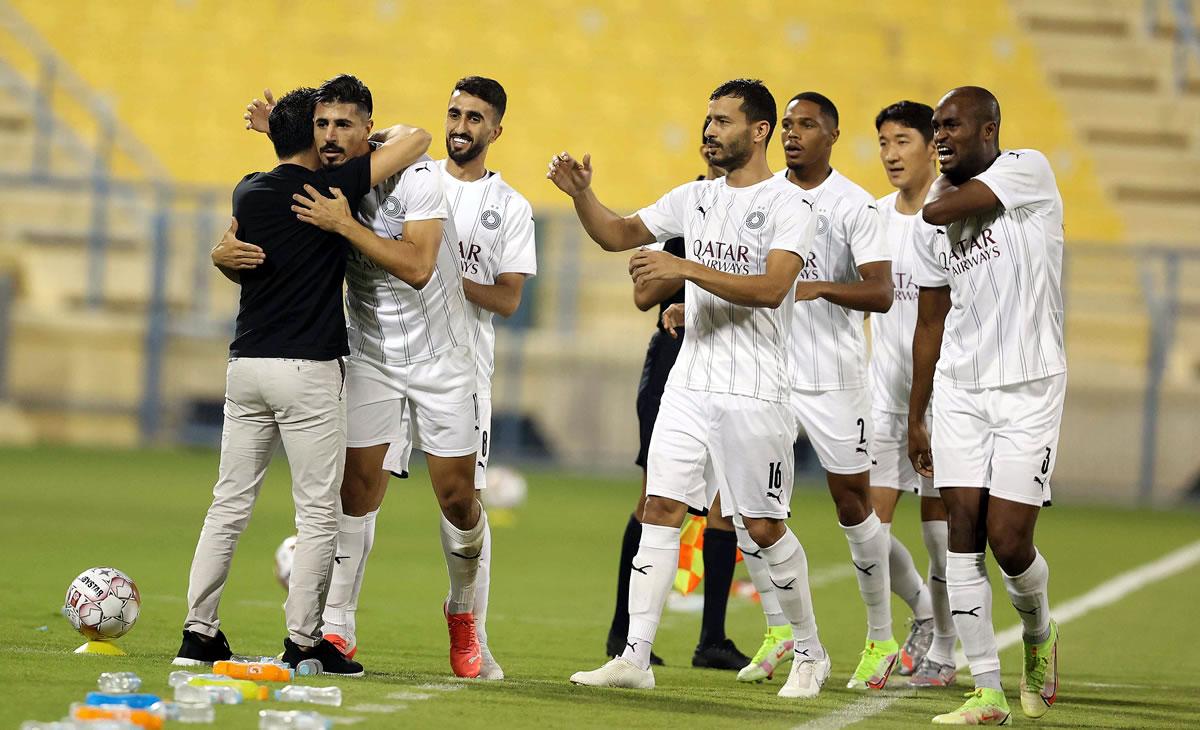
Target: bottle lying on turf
column 143, row 718
column 140, row 701
column 292, row 720
column 119, row 682
column 331, row 696
column 217, row 695
column 256, row 671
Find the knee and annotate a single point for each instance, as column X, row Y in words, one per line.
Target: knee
column 358, row 492
column 660, row 511
column 1012, row 552
column 765, row 532
column 457, row 506
column 851, row 497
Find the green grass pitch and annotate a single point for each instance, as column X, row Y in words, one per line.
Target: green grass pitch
column 64, row 510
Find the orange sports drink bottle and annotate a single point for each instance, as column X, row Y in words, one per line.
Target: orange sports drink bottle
column 255, row 671
column 143, row 718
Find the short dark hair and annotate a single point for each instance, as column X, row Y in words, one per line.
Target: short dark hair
column 823, row 103
column 346, row 89
column 291, row 122
column 911, row 114
column 757, row 103
column 487, row 89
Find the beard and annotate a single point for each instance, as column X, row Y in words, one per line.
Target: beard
column 730, row 156
column 465, row 155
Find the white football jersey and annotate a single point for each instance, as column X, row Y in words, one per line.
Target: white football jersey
column 389, row 321
column 829, row 347
column 729, row 348
column 495, row 236
column 892, row 331
column 1004, row 270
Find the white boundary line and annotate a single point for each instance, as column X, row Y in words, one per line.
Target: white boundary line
column 1107, row 593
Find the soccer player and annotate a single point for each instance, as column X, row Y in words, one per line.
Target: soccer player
column 285, row 383
column 497, row 254
column 847, row 273
column 410, row 352
column 714, row 649
column 991, row 282
column 906, row 151
column 724, row 421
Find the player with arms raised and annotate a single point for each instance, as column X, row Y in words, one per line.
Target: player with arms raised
column 724, row 420
column 991, row 281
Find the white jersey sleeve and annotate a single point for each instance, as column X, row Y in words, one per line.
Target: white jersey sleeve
column 423, row 193
column 1021, row 179
column 665, row 218
column 929, row 257
column 520, row 254
column 865, row 232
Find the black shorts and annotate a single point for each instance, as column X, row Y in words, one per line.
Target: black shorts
column 660, row 358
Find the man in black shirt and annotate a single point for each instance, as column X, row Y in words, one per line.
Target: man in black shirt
column 714, row 650
column 284, row 382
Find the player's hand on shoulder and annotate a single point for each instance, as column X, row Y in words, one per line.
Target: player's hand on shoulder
column 672, row 318
column 320, row 211
column 656, row 266
column 234, row 253
column 570, row 175
column 258, row 113
column 919, row 451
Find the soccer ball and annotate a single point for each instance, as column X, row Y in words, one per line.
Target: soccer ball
column 506, row 488
column 102, row 604
column 283, row 561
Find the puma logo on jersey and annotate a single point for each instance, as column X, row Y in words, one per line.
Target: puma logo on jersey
column 703, row 212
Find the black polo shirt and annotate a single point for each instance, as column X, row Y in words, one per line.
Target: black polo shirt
column 291, row 305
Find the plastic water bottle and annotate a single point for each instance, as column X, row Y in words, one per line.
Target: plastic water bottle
column 178, row 677
column 117, row 682
column 70, row 724
column 309, row 668
column 249, row 690
column 331, row 696
column 210, row 695
column 148, row 719
column 140, row 701
column 191, row 712
column 277, row 720
column 255, row 671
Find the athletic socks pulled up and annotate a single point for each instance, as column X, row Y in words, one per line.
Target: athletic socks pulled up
column 971, row 608
column 760, row 575
column 1029, row 595
column 720, row 555
column 906, row 581
column 869, row 549
column 936, row 535
column 356, row 537
column 629, row 548
column 652, row 572
column 483, row 584
column 788, row 566
column 462, row 550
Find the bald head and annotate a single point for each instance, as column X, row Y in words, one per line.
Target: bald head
column 966, row 132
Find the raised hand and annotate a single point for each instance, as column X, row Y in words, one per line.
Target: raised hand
column 571, row 176
column 322, row 212
column 258, row 113
column 235, row 254
column 672, row 318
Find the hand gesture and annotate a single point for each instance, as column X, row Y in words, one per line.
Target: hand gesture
column 919, row 450
column 571, row 177
column 259, row 112
column 235, row 254
column 656, row 266
column 324, row 213
column 672, row 318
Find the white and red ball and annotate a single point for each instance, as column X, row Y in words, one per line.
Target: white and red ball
column 102, row 603
column 284, row 554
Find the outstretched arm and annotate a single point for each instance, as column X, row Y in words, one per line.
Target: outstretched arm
column 932, row 306
column 611, row 231
column 873, row 294
column 748, row 290
column 411, row 258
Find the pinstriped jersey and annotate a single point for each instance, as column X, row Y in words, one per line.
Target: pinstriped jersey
column 389, row 321
column 728, row 348
column 892, row 331
column 829, row 347
column 494, row 224
column 1004, row 270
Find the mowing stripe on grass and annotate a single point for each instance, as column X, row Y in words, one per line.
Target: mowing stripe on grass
column 1107, row 593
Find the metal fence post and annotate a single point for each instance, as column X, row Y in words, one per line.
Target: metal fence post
column 150, row 413
column 202, row 268
column 6, row 299
column 98, row 228
column 1163, row 307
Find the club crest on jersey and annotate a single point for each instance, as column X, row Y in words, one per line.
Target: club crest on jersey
column 391, row 206
column 490, row 220
column 822, row 224
column 755, row 220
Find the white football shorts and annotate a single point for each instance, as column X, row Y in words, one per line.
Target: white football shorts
column 890, row 465
column 438, row 396
column 838, row 424
column 400, row 452
column 708, row 442
column 1005, row 439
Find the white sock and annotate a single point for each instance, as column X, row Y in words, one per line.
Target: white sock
column 653, row 573
column 944, row 634
column 869, row 548
column 789, row 575
column 1029, row 595
column 356, row 536
column 483, row 582
column 971, row 608
column 906, row 581
column 760, row 575
column 462, row 551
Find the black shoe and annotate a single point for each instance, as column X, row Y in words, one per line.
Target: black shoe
column 616, row 647
column 720, row 655
column 332, row 661
column 200, row 649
